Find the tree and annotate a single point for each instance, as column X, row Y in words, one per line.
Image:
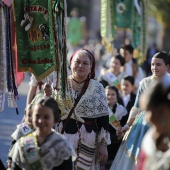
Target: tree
column 161, row 8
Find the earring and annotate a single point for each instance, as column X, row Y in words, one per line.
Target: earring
column 89, row 75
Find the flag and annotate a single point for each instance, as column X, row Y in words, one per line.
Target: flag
column 123, row 13
column 33, row 38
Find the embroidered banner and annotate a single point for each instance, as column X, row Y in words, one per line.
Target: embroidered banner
column 35, row 52
column 124, row 13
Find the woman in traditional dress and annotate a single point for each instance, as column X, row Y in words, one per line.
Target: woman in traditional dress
column 44, row 148
column 127, row 155
column 86, row 128
column 155, row 149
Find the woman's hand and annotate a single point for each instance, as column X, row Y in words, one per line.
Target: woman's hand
column 102, row 154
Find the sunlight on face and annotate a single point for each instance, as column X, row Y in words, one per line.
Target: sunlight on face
column 80, row 66
column 111, row 97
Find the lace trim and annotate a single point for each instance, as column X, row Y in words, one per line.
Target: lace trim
column 53, row 152
column 104, row 136
column 120, row 112
column 88, row 138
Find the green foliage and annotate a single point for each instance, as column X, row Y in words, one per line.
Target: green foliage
column 161, row 9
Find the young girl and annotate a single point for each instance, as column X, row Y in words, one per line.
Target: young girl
column 120, row 112
column 43, row 148
column 22, row 129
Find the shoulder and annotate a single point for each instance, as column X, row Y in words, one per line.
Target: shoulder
column 146, row 80
column 94, row 83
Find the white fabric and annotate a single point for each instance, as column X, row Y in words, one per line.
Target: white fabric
column 88, row 138
column 125, row 99
column 129, row 71
column 120, row 112
column 51, row 79
column 22, row 130
column 92, row 104
column 53, row 152
column 111, row 78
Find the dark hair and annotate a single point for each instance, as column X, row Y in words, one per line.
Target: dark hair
column 164, row 56
column 91, row 57
column 51, row 103
column 129, row 48
column 114, row 89
column 130, row 79
column 121, row 59
column 158, row 95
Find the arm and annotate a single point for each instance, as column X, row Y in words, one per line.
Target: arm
column 134, row 111
column 31, row 94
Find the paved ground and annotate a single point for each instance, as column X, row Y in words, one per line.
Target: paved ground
column 9, row 119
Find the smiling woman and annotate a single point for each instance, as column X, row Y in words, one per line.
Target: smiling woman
column 85, row 120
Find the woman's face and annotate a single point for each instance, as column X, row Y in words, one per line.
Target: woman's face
column 158, row 67
column 111, row 97
column 115, row 65
column 80, row 66
column 43, row 119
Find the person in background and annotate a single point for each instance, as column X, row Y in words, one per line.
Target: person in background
column 23, row 129
column 113, row 75
column 155, row 150
column 43, row 148
column 127, row 95
column 120, row 112
column 128, row 152
column 150, row 52
column 131, row 67
column 34, row 84
column 85, row 120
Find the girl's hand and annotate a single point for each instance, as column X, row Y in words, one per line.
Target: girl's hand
column 119, row 133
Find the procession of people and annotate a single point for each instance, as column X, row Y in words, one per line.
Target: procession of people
column 85, row 111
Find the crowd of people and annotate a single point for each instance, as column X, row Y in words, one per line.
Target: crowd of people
column 80, row 133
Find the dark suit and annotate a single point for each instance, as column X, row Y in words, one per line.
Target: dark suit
column 128, row 107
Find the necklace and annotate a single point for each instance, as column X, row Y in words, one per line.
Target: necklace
column 79, row 84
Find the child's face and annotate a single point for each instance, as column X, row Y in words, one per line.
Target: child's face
column 43, row 119
column 28, row 117
column 115, row 65
column 111, row 97
column 126, row 87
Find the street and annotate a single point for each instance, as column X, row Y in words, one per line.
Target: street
column 9, row 119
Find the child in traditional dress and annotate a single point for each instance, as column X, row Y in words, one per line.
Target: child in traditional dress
column 119, row 112
column 22, row 129
column 44, row 148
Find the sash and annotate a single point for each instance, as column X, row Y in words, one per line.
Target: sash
column 113, row 121
column 111, row 79
column 22, row 130
column 30, row 149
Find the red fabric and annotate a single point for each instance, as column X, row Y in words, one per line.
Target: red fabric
column 7, row 2
column 141, row 161
column 19, row 76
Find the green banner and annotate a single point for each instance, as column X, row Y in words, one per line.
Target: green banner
column 124, row 13
column 33, row 38
column 74, row 30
